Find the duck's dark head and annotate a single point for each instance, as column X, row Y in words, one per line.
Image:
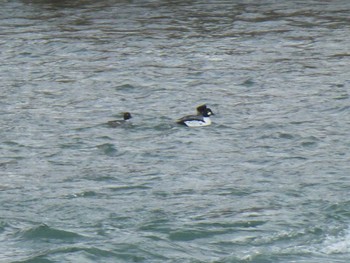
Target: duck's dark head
column 201, row 109
column 127, row 115
column 208, row 112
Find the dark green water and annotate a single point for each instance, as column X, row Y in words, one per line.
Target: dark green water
column 266, row 182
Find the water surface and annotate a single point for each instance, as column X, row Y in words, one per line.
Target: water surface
column 266, row 182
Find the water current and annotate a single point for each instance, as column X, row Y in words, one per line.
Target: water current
column 268, row 181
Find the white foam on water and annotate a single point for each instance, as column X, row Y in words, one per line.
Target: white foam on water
column 337, row 244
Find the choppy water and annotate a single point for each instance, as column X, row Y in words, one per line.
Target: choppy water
column 268, row 181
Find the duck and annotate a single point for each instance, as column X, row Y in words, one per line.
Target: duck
column 199, row 120
column 126, row 116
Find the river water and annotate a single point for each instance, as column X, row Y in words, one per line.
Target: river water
column 266, row 182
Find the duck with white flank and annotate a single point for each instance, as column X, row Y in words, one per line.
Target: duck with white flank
column 116, row 123
column 202, row 119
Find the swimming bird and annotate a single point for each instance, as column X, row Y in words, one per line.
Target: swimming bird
column 199, row 120
column 116, row 123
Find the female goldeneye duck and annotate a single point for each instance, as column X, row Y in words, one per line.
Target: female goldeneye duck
column 197, row 120
column 126, row 117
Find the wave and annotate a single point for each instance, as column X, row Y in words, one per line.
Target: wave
column 79, row 254
column 43, row 231
column 339, row 244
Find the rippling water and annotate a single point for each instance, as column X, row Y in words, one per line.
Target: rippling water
column 266, row 182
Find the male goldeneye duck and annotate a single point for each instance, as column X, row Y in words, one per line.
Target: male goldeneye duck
column 126, row 117
column 197, row 120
